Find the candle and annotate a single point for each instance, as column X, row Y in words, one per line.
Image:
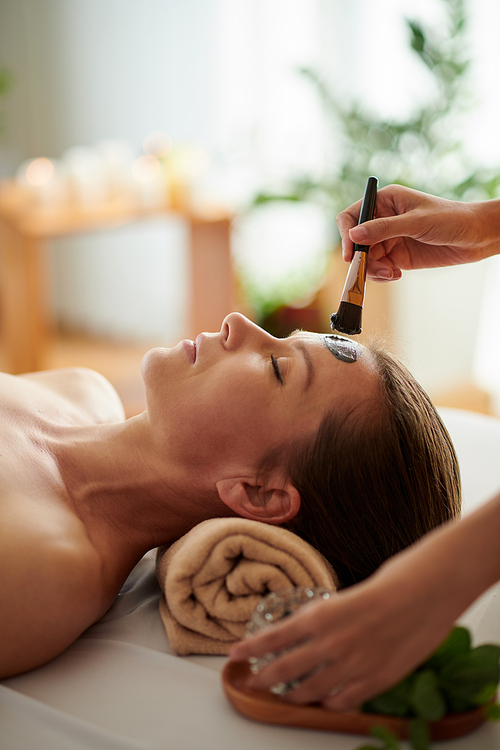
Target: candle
column 149, row 181
column 46, row 180
column 157, row 144
column 117, row 158
column 87, row 175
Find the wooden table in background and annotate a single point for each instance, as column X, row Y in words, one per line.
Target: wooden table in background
column 26, row 318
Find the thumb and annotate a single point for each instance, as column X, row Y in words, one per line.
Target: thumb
column 385, row 228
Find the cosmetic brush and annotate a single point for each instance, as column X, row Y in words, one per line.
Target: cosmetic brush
column 348, row 317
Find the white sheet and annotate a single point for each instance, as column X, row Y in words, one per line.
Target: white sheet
column 119, row 687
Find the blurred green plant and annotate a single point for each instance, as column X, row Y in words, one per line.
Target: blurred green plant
column 456, row 678
column 421, row 152
column 6, row 81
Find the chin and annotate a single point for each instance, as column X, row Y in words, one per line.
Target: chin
column 153, row 357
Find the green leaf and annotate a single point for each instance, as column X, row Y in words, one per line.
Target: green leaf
column 418, row 37
column 486, row 694
column 425, row 696
column 261, row 198
column 493, row 712
column 489, row 650
column 6, row 80
column 395, row 702
column 457, row 642
column 458, row 705
column 466, row 675
column 419, row 735
column 390, row 739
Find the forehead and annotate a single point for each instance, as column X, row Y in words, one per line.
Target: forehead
column 335, row 385
column 344, row 349
column 338, row 357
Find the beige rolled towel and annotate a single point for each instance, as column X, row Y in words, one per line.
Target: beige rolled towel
column 214, row 576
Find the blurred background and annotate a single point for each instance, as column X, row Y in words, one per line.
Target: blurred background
column 135, row 133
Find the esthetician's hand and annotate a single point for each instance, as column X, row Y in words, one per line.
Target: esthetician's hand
column 370, row 636
column 416, row 230
column 363, row 641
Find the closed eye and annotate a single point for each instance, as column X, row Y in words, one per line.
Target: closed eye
column 276, row 369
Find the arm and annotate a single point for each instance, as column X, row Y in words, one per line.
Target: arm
column 371, row 635
column 49, row 594
column 415, row 230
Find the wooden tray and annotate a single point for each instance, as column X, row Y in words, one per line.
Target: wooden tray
column 270, row 709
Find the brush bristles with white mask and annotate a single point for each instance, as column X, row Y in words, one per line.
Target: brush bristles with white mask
column 348, row 317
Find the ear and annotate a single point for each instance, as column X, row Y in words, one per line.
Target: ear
column 276, row 503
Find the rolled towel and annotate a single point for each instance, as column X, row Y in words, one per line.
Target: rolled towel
column 214, row 576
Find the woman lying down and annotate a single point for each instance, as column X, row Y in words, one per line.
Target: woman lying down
column 333, row 440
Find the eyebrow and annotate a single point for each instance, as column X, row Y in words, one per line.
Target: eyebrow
column 308, row 362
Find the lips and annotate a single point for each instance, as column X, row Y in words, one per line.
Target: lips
column 199, row 340
column 190, row 349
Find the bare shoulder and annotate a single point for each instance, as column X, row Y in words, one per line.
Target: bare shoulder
column 50, row 591
column 84, row 388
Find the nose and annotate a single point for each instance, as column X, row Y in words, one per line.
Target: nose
column 239, row 330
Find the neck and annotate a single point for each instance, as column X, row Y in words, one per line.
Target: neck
column 129, row 498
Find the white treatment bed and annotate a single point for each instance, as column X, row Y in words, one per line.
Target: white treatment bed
column 120, row 686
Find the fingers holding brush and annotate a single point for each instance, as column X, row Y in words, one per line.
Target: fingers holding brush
column 381, row 267
column 414, row 230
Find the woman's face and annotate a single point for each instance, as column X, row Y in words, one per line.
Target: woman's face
column 230, row 397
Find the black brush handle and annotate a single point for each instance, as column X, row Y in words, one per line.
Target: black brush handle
column 367, row 208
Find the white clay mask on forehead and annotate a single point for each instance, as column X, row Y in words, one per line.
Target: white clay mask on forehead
column 341, row 347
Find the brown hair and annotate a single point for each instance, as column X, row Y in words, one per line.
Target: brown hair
column 373, row 481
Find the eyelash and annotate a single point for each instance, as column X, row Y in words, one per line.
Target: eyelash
column 276, row 369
